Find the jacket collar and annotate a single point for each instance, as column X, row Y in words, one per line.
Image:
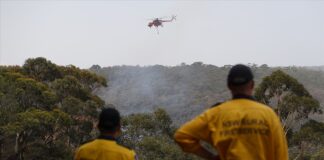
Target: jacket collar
column 105, row 137
column 238, row 96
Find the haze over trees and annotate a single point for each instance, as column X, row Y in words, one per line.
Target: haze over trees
column 186, row 90
column 47, row 111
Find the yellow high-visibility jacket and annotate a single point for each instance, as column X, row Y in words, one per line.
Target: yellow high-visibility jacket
column 239, row 129
column 104, row 149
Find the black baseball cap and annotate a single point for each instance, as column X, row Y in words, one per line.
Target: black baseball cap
column 109, row 120
column 239, row 75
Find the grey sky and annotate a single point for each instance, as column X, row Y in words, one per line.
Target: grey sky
column 84, row 32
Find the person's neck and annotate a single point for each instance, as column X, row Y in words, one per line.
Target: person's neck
column 108, row 136
column 243, row 94
column 247, row 93
column 239, row 96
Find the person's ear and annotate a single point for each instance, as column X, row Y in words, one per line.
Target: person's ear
column 252, row 85
column 118, row 128
column 97, row 125
column 118, row 131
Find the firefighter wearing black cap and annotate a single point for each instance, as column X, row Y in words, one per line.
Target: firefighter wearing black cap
column 239, row 129
column 105, row 146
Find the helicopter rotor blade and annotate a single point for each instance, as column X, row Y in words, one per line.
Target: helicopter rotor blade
column 163, row 17
column 173, row 17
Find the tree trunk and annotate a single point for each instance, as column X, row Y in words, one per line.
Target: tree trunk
column 302, row 147
column 1, row 148
column 20, row 138
column 17, row 143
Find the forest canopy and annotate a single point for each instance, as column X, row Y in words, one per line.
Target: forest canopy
column 47, row 110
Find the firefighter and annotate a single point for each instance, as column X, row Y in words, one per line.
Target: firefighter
column 105, row 146
column 239, row 129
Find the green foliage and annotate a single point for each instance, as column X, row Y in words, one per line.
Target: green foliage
column 89, row 80
column 69, row 85
column 41, row 69
column 163, row 121
column 36, row 127
column 302, row 105
column 160, row 148
column 31, row 93
column 309, row 140
column 186, row 90
column 293, row 104
column 53, row 151
column 277, row 84
column 150, row 134
column 38, row 121
column 288, row 97
column 45, row 112
column 312, row 132
column 318, row 155
column 72, row 105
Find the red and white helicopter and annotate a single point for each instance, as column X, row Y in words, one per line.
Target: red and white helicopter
column 158, row 22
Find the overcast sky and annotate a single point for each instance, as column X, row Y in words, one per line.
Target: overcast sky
column 106, row 32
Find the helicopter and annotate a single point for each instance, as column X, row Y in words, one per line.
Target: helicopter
column 158, row 22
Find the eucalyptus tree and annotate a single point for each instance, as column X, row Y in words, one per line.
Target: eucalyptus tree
column 289, row 98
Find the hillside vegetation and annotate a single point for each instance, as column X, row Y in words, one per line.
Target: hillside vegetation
column 186, row 90
column 47, row 110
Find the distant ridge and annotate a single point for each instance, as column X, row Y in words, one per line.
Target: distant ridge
column 318, row 68
column 186, row 90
